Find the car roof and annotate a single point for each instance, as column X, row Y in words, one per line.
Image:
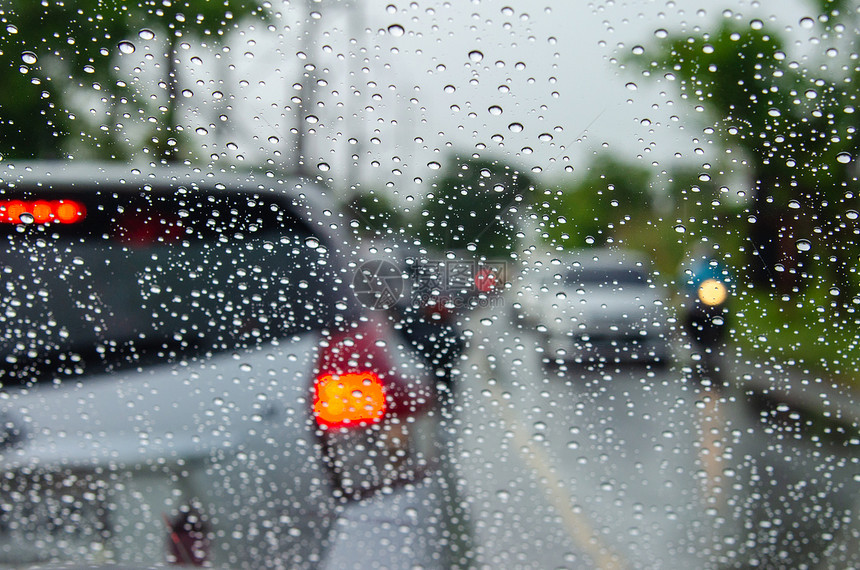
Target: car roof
column 601, row 258
column 227, row 179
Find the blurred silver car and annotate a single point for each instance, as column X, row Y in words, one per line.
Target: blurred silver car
column 186, row 374
column 598, row 304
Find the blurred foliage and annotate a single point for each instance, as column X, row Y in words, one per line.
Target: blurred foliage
column 373, row 214
column 586, row 211
column 794, row 128
column 475, row 206
column 58, row 54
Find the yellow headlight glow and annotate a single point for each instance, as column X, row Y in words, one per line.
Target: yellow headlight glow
column 713, row 292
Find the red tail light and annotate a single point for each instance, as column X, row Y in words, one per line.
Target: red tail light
column 345, row 400
column 357, row 383
column 42, row 211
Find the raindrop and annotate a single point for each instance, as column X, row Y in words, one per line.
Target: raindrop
column 28, row 57
column 545, row 137
column 312, row 242
column 11, row 29
column 803, row 245
column 476, row 56
column 26, row 218
column 487, row 322
column 515, row 127
column 807, row 23
column 323, row 167
column 495, row 110
column 201, row 131
column 126, row 47
column 274, row 140
column 396, row 30
column 811, row 94
column 217, row 95
column 187, row 93
column 434, row 165
column 774, row 112
column 450, row 89
column 146, row 34
column 89, row 69
column 661, row 33
column 794, row 204
column 852, row 214
column 245, row 367
column 680, row 228
column 843, row 158
column 196, row 60
column 756, row 24
column 638, row 50
column 312, row 119
column 632, row 86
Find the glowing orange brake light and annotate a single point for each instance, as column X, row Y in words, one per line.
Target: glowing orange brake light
column 42, row 211
column 348, row 399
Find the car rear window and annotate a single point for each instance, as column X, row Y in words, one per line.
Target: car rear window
column 605, row 276
column 111, row 278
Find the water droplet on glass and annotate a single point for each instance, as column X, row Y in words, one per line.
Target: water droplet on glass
column 146, row 34
column 187, row 93
column 843, row 158
column 476, row 56
column 774, row 112
column 312, row 242
column 196, row 60
column 245, row 367
column 680, row 228
column 811, row 94
column 11, row 29
column 26, row 218
column 89, row 69
column 201, row 131
column 274, row 140
column 632, row 86
column 852, row 214
column 323, row 167
column 803, row 245
column 515, row 127
column 638, row 50
column 28, row 57
column 126, row 47
column 807, row 23
column 396, row 30
column 450, row 89
column 495, row 110
column 434, row 165
column 312, row 119
column 661, row 33
column 545, row 137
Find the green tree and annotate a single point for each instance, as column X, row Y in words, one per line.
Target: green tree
column 791, row 124
column 585, row 211
column 55, row 52
column 474, row 206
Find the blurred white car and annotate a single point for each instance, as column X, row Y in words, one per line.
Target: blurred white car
column 596, row 304
column 186, row 373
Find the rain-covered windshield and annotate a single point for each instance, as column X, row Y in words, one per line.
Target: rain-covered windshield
column 577, row 284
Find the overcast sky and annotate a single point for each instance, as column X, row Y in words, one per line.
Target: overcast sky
column 406, row 83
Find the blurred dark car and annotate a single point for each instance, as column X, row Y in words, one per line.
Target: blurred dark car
column 186, row 374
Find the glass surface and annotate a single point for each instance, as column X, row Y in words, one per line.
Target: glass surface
column 476, row 171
